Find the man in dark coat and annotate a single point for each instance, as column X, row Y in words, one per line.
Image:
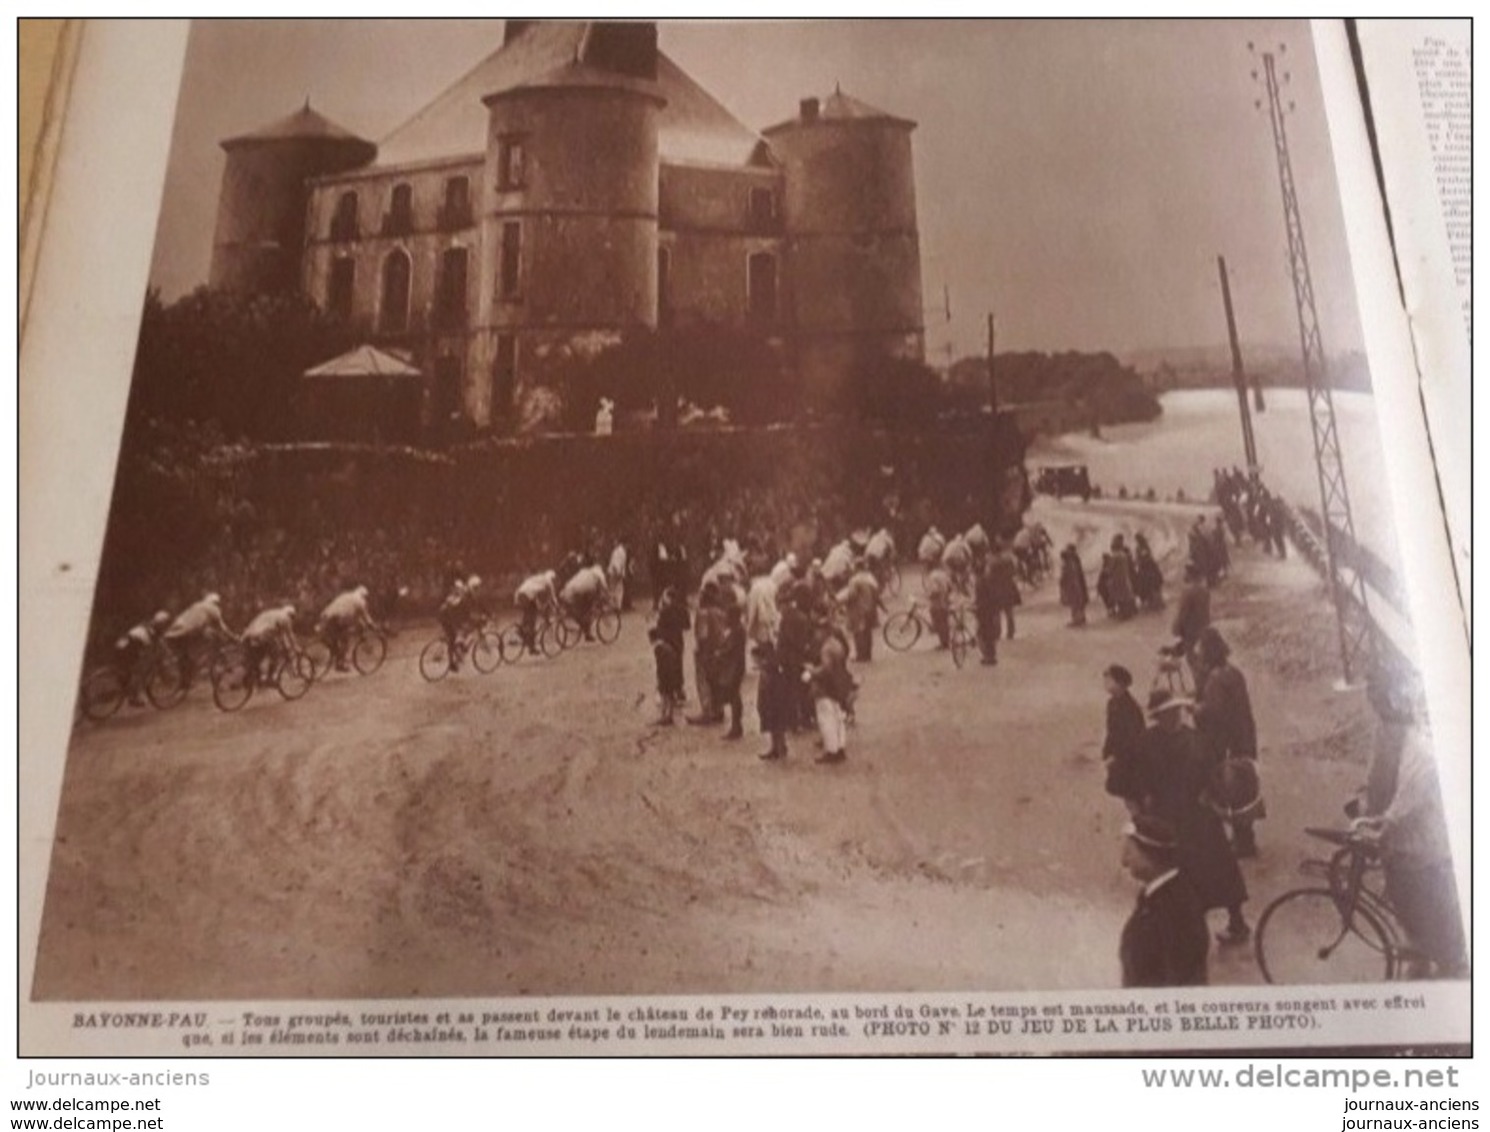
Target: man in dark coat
column 1073, row 585
column 1003, row 586
column 1170, row 778
column 729, row 668
column 672, row 623
column 1191, row 618
column 775, row 699
column 1164, row 942
column 1228, row 730
column 1124, row 735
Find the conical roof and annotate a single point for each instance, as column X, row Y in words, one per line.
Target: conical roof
column 692, row 126
column 840, row 107
column 304, row 124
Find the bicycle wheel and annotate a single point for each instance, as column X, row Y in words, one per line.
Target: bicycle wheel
column 317, row 654
column 369, row 652
column 232, row 685
column 292, row 677
column 102, row 694
column 608, row 626
column 434, row 661
column 1303, row 937
column 486, row 651
column 165, row 686
column 550, row 639
column 569, row 632
column 958, row 639
column 513, row 648
column 902, row 630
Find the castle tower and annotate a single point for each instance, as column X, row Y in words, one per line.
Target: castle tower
column 854, row 259
column 261, row 209
column 569, row 218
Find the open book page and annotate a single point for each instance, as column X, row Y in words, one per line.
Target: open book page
column 48, row 52
column 1418, row 75
column 636, row 538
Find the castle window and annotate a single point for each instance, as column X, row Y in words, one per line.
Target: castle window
column 393, row 315
column 342, row 287
column 450, row 298
column 512, row 163
column 511, row 262
column 399, row 220
column 456, row 212
column 504, row 377
column 762, row 208
column 760, row 285
column 344, row 222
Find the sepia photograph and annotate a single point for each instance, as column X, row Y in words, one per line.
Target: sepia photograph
column 779, row 536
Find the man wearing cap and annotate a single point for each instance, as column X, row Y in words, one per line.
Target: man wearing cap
column 1164, row 942
column 1170, row 779
column 198, row 622
column 269, row 637
column 130, row 651
column 344, row 614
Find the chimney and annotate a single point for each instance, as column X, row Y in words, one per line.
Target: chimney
column 809, row 108
column 515, row 28
column 625, row 48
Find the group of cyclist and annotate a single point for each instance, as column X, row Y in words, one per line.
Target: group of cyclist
column 267, row 640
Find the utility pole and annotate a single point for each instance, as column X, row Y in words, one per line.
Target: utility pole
column 1238, row 374
column 1352, row 615
column 993, row 385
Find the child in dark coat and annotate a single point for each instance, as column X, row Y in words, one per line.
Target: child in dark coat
column 669, row 676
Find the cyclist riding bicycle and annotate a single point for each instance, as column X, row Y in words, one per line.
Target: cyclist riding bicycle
column 199, row 622
column 344, row 615
column 457, row 613
column 582, row 596
column 130, row 651
column 535, row 597
column 269, row 640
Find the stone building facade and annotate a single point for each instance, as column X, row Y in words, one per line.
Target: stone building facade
column 571, row 186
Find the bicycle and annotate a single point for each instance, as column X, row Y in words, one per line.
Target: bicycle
column 605, row 626
column 235, row 681
column 1340, row 932
column 478, row 641
column 103, row 693
column 903, row 630
column 167, row 683
column 553, row 632
column 365, row 648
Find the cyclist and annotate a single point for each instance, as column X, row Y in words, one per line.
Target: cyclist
column 582, row 596
column 268, row 640
column 457, row 612
column 200, row 621
column 345, row 614
column 535, row 596
column 880, row 553
column 130, row 651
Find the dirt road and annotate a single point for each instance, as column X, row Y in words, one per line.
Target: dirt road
column 529, row 832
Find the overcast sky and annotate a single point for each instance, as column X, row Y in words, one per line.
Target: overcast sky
column 1079, row 179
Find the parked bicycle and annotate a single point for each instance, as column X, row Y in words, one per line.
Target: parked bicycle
column 1340, row 931
column 904, row 629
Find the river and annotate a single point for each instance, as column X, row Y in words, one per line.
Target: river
column 1200, row 430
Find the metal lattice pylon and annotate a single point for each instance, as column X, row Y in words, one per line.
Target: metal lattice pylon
column 1348, row 587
